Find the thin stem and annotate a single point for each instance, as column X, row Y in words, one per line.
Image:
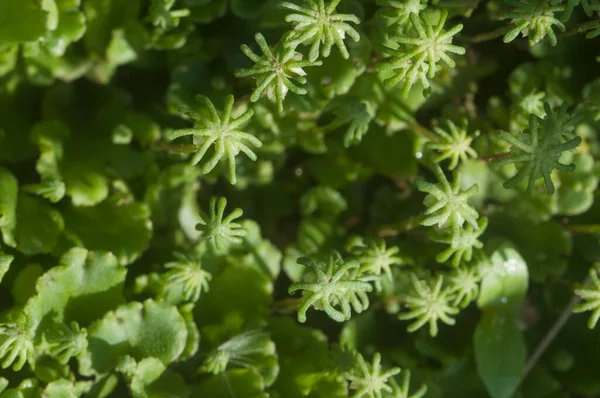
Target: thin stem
column 487, row 36
column 423, row 131
column 286, row 306
column 584, row 27
column 552, row 333
column 189, row 148
column 497, row 156
column 584, row 229
column 397, row 229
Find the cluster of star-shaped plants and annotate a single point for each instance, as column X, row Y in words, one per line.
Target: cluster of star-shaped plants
column 536, row 151
column 275, row 71
column 461, row 245
column 453, row 144
column 222, row 131
column 590, row 293
column 368, row 380
column 186, row 273
column 316, row 24
column 418, row 54
column 534, row 19
column 447, row 205
column 219, row 230
column 331, row 284
column 429, row 303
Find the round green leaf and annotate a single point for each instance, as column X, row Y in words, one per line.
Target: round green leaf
column 38, row 225
column 505, row 280
column 141, row 330
column 123, row 229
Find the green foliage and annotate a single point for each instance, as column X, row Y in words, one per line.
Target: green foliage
column 367, row 129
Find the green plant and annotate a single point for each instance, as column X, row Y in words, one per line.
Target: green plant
column 275, row 70
column 222, row 132
column 367, row 380
column 428, row 304
column 220, row 230
column 538, row 149
column 330, row 284
column 534, row 19
column 416, row 59
column 299, row 198
column 315, row 23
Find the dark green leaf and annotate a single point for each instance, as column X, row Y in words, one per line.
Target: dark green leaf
column 500, row 353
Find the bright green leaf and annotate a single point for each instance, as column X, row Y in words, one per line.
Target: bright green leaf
column 505, row 280
column 21, row 21
column 82, row 288
column 8, row 205
column 141, row 330
column 5, row 260
column 245, row 383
